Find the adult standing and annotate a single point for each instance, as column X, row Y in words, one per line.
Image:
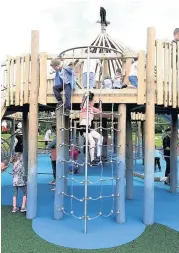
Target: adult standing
column 166, row 150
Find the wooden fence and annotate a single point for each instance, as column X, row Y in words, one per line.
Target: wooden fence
column 18, row 77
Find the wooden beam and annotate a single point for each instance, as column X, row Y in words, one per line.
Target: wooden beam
column 43, row 79
column 8, row 82
column 141, row 95
column 18, row 81
column 12, row 83
column 22, row 81
column 166, row 86
column 129, row 158
column 159, row 66
column 174, row 77
column 121, row 164
column 59, row 197
column 170, row 75
column 26, row 79
column 149, row 131
column 33, row 128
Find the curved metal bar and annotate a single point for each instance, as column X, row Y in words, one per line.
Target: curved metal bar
column 86, row 47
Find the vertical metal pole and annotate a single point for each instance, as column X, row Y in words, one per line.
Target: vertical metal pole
column 173, row 155
column 81, row 156
column 149, row 131
column 59, row 197
column 129, row 159
column 33, row 128
column 86, row 155
column 74, row 133
column 105, row 136
column 66, row 152
column 121, row 165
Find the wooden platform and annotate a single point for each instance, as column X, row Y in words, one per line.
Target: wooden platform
column 18, row 82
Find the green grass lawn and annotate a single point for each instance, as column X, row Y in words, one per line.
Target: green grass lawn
column 18, row 237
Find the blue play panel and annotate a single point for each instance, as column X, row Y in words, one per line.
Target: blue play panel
column 102, row 232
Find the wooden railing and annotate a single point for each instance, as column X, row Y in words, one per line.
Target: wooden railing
column 18, row 77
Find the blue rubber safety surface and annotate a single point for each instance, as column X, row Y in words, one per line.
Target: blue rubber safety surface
column 102, row 232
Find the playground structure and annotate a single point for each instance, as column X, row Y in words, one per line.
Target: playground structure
column 29, row 89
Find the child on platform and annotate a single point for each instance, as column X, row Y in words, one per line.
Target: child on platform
column 118, row 80
column 19, row 181
column 64, row 79
column 133, row 74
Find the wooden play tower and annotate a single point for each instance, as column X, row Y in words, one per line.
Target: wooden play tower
column 28, row 89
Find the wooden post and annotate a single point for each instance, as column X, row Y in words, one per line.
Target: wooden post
column 173, row 155
column 60, row 165
column 129, row 158
column 25, row 140
column 149, row 131
column 121, row 165
column 143, row 140
column 33, row 128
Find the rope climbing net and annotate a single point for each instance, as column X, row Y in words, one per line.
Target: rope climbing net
column 68, row 127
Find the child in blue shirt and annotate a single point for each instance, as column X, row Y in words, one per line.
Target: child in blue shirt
column 64, row 78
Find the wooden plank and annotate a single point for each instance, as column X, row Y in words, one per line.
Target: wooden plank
column 26, row 79
column 141, row 84
column 160, row 88
column 178, row 70
column 174, row 77
column 12, row 83
column 8, row 82
column 43, row 79
column 127, row 70
column 33, row 128
column 22, row 80
column 166, row 75
column 149, row 130
column 169, row 75
column 18, row 81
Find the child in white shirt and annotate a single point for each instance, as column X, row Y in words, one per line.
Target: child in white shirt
column 133, row 74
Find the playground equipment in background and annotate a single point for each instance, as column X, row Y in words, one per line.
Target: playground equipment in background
column 152, row 90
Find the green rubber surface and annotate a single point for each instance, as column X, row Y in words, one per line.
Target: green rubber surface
column 18, row 237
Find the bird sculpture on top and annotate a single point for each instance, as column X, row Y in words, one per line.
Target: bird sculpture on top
column 103, row 17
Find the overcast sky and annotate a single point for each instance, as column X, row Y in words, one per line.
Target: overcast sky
column 64, row 24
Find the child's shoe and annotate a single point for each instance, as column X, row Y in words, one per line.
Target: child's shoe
column 53, row 189
column 23, row 209
column 15, row 209
column 53, row 182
